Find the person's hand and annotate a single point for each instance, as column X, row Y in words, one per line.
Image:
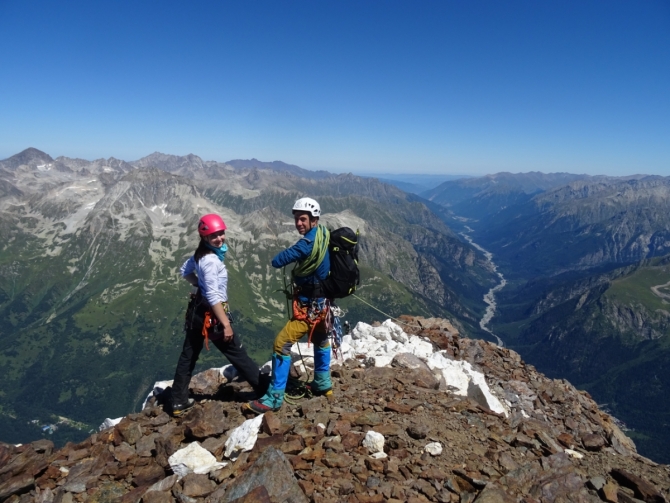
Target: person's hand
column 228, row 333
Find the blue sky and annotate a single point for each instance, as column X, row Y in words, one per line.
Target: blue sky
column 458, row 87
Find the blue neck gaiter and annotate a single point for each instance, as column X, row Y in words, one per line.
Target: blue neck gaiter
column 220, row 252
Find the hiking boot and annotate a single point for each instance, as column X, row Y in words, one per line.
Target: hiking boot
column 179, row 408
column 321, row 385
column 271, row 401
column 318, row 392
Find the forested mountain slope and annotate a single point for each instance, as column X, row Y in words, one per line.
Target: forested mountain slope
column 89, row 284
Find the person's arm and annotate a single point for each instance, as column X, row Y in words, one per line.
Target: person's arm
column 188, row 272
column 216, row 291
column 299, row 251
column 221, row 315
column 192, row 279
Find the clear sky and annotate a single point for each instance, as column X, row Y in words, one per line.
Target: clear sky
column 460, row 87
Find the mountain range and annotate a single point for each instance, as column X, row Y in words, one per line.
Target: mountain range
column 89, row 271
column 586, row 264
column 93, row 302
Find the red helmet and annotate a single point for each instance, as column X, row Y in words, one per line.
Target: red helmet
column 209, row 224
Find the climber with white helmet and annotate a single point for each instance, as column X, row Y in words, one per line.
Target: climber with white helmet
column 208, row 315
column 309, row 307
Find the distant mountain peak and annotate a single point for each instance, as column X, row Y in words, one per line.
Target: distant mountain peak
column 30, row 156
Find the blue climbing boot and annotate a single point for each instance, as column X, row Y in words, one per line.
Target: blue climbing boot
column 274, row 397
column 321, row 385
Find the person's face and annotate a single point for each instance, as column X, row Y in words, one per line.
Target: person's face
column 304, row 222
column 216, row 239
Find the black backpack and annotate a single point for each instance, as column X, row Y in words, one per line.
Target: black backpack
column 344, row 276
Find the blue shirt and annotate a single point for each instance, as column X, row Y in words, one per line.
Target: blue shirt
column 300, row 251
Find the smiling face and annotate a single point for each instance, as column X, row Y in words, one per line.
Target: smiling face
column 304, row 222
column 216, row 239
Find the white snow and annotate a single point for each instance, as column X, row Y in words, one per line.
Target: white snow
column 383, row 343
column 108, row 423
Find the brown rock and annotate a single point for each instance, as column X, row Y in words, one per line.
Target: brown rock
column 374, row 465
column 418, row 431
column 157, row 497
column 273, row 471
column 42, row 446
column 129, row 430
column 292, row 447
column 209, row 420
column 506, row 462
column 337, row 460
column 160, row 419
column 256, row 495
column 18, row 483
column 643, row 489
column 271, row 423
column 493, row 493
column 146, row 444
column 310, row 408
column 307, row 487
column 207, row 382
column 368, row 418
column 352, row 439
column 148, row 474
column 567, row 440
column 166, row 484
column 107, row 492
column 424, row 378
column 214, row 445
column 609, row 492
column 197, row 485
column 398, row 407
column 135, row 495
column 389, row 429
column 124, row 452
column 338, row 427
column 593, row 442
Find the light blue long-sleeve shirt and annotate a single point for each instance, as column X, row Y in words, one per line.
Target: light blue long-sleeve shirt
column 212, row 277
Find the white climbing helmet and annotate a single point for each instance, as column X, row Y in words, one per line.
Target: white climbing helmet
column 309, row 205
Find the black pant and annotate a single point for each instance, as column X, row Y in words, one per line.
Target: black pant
column 193, row 343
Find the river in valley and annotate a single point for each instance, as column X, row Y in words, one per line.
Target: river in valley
column 490, row 297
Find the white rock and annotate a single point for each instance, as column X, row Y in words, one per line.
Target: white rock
column 108, row 423
column 466, row 381
column 434, row 448
column 193, row 459
column 374, row 442
column 379, row 455
column 243, row 438
column 381, row 333
column 574, row 454
column 383, row 360
column 420, row 346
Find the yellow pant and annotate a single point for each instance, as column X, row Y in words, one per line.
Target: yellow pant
column 294, row 330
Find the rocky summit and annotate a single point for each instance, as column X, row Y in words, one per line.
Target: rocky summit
column 408, row 431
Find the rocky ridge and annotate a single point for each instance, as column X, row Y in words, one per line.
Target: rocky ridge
column 398, row 433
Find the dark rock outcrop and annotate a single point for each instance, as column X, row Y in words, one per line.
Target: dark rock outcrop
column 554, row 446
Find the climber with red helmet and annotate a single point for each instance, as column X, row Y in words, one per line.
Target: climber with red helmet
column 309, row 307
column 208, row 315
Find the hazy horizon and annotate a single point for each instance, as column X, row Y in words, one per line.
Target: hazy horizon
column 395, row 87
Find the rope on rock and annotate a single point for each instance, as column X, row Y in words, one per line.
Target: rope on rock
column 386, row 314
